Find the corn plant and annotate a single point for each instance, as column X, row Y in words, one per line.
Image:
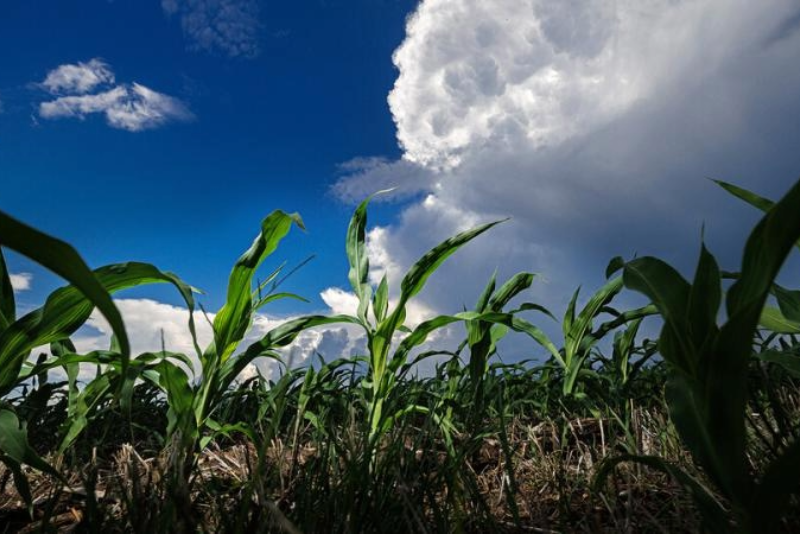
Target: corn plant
column 61, row 316
column 708, row 364
column 64, row 311
column 628, row 359
column 483, row 335
column 385, row 366
column 193, row 402
column 581, row 336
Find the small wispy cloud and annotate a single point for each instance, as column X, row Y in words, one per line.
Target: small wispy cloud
column 21, row 281
column 132, row 107
column 78, row 78
column 231, row 27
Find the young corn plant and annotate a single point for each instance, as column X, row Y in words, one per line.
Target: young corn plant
column 483, row 335
column 708, row 373
column 620, row 370
column 64, row 311
column 385, row 366
column 193, row 403
column 581, row 336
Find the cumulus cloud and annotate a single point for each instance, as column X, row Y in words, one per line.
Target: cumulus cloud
column 231, row 27
column 153, row 325
column 132, row 107
column 21, row 281
column 593, row 123
column 340, row 301
column 78, row 78
column 539, row 72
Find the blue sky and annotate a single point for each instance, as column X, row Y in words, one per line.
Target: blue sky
column 164, row 130
column 268, row 131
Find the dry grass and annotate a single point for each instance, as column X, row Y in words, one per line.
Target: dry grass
column 544, row 486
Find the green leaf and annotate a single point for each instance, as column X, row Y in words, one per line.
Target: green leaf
column 63, row 260
column 278, row 337
column 356, row 248
column 767, row 248
column 412, row 283
column 233, row 320
column 779, row 483
column 67, row 309
column 772, row 319
column 790, row 361
column 14, row 444
column 380, row 303
column 751, row 198
column 788, row 302
column 483, row 300
column 690, row 414
column 8, row 309
column 577, row 338
column 670, row 293
column 616, row 264
column 415, row 279
column 20, row 482
column 514, row 286
column 175, row 383
column 531, row 306
column 521, row 325
column 705, row 297
column 277, row 296
column 85, row 401
column 421, row 333
column 569, row 315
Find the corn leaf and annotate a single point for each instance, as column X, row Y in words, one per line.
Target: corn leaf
column 233, row 320
column 67, row 309
column 773, row 320
column 415, row 278
column 8, row 309
column 63, row 260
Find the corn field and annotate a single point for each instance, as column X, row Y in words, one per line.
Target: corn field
column 601, row 430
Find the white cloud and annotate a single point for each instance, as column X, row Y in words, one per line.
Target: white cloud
column 131, row 107
column 79, row 78
column 153, row 325
column 593, row 123
column 534, row 73
column 148, row 322
column 21, row 281
column 228, row 26
column 340, row 301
